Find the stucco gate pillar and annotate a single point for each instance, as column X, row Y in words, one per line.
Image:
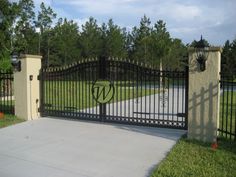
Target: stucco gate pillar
column 26, row 87
column 204, row 96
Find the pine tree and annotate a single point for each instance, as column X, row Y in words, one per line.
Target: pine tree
column 25, row 37
column 114, row 40
column 90, row 41
column 44, row 21
column 141, row 40
column 64, row 46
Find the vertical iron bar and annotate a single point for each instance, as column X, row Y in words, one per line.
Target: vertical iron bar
column 80, row 71
column 159, row 95
column 129, row 85
column 67, row 92
column 42, row 93
column 61, row 90
column 114, row 79
column 133, row 87
column 85, row 90
column 7, row 103
column 76, row 80
column 124, row 83
column 186, row 93
column 92, row 78
column 118, row 77
column 53, row 92
column 154, row 98
column 49, row 92
column 183, row 95
column 145, row 94
column 4, row 92
column 141, row 95
column 88, row 87
column 231, row 110
column 82, row 88
column 108, row 106
column 235, row 117
column 137, row 93
column 168, row 97
column 150, row 79
column 178, row 77
column 227, row 102
column 163, row 97
column 121, row 93
column 173, row 96
column 11, row 92
column 102, row 75
column 64, row 91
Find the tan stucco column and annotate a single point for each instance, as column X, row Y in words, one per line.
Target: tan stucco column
column 26, row 87
column 204, row 96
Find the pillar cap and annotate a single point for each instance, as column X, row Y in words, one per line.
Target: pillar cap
column 211, row 49
column 23, row 56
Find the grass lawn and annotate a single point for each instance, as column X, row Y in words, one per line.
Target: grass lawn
column 198, row 159
column 9, row 120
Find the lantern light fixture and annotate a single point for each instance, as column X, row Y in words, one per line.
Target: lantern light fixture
column 15, row 62
column 201, row 50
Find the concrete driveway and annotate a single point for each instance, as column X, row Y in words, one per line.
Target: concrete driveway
column 50, row 147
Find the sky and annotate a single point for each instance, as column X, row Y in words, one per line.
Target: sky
column 185, row 19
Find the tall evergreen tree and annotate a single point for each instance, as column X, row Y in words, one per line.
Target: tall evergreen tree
column 225, row 56
column 228, row 58
column 25, row 37
column 44, row 21
column 114, row 40
column 174, row 59
column 45, row 18
column 64, row 46
column 141, row 40
column 160, row 43
column 91, row 39
column 7, row 17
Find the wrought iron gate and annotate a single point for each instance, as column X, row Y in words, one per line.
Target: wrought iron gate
column 227, row 122
column 6, row 92
column 118, row 91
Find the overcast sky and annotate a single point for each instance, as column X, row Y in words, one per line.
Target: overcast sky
column 185, row 19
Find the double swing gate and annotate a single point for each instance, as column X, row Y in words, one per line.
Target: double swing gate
column 111, row 90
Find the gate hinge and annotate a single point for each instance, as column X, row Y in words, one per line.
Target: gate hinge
column 39, row 77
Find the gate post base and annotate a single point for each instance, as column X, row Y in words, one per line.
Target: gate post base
column 26, row 87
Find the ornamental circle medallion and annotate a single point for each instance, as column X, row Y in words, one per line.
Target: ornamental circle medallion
column 103, row 91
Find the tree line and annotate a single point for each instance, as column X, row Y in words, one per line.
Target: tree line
column 60, row 41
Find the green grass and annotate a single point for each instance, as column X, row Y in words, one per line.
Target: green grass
column 198, row 159
column 9, row 120
column 78, row 94
column 228, row 112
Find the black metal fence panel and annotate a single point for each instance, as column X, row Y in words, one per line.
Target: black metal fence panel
column 6, row 92
column 116, row 91
column 227, row 123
